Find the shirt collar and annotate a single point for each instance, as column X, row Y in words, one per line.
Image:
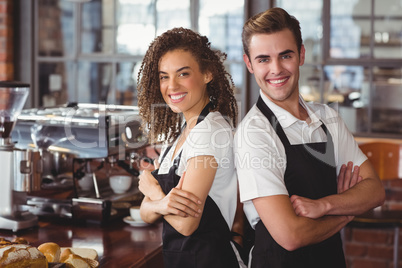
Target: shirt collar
column 285, row 118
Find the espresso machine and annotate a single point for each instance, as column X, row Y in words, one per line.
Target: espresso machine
column 20, row 168
column 79, row 144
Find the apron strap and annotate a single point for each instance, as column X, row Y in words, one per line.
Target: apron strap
column 201, row 117
column 273, row 120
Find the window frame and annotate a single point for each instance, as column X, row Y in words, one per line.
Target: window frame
column 29, row 70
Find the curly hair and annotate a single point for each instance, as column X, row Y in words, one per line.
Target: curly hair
column 161, row 123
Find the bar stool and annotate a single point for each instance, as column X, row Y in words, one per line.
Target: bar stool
column 387, row 161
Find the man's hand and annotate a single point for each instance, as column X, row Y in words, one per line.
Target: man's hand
column 307, row 207
column 347, row 178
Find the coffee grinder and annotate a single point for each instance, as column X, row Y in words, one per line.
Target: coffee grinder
column 19, row 168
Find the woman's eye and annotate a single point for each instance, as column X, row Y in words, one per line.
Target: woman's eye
column 162, row 77
column 183, row 74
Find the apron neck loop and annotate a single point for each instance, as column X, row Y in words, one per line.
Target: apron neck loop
column 205, row 112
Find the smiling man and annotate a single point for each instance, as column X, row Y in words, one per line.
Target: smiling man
column 295, row 159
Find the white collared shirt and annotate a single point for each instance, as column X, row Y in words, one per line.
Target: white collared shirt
column 260, row 156
column 212, row 136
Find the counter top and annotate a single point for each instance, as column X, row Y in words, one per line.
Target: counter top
column 117, row 243
column 361, row 140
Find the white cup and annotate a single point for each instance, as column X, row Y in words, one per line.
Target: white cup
column 87, row 182
column 135, row 213
column 120, row 183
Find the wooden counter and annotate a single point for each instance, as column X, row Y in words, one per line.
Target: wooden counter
column 361, row 140
column 117, row 243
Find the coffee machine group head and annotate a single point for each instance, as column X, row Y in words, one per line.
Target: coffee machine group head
column 18, row 166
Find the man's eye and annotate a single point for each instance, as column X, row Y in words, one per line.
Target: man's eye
column 263, row 60
column 286, row 57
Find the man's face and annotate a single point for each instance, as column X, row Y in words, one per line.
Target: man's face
column 274, row 61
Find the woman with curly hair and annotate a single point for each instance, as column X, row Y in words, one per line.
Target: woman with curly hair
column 186, row 100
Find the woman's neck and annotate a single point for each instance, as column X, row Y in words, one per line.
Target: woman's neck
column 192, row 115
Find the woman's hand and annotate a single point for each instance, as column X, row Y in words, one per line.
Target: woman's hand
column 180, row 202
column 149, row 186
column 176, row 202
column 149, row 164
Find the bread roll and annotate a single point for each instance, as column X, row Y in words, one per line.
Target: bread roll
column 73, row 260
column 51, row 251
column 65, row 254
column 76, row 261
column 18, row 255
column 86, row 253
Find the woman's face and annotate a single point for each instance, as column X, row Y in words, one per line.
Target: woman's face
column 183, row 86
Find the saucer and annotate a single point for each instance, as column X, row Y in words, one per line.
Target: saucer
column 135, row 223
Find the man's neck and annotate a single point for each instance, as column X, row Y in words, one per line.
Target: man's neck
column 294, row 107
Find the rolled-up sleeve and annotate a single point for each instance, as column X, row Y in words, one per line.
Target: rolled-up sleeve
column 260, row 159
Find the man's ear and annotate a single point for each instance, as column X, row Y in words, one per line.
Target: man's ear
column 302, row 55
column 246, row 60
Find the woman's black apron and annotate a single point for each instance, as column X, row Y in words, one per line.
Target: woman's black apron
column 310, row 172
column 209, row 246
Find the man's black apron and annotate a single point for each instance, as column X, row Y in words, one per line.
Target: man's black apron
column 209, row 246
column 310, row 172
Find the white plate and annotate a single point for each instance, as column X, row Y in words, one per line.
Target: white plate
column 134, row 223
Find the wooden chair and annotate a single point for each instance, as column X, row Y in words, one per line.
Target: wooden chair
column 387, row 160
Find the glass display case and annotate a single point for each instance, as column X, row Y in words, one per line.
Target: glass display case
column 369, row 33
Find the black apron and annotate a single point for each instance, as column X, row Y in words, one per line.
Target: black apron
column 209, row 246
column 310, row 172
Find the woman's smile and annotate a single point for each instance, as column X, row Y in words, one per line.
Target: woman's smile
column 183, row 86
column 175, row 98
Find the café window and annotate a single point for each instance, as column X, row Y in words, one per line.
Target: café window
column 353, row 60
column 91, row 50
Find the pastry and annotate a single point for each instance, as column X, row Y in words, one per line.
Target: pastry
column 65, row 254
column 76, row 261
column 73, row 260
column 16, row 240
column 4, row 242
column 51, row 251
column 19, row 255
column 20, row 240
